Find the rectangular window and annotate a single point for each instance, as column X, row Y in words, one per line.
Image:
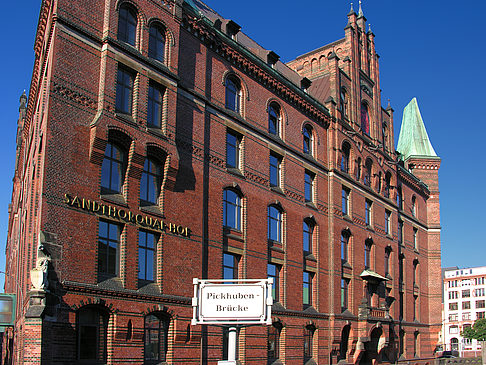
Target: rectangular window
column 480, row 304
column 480, row 315
column 453, row 317
column 230, row 266
column 307, row 289
column 368, row 204
column 273, row 272
column 345, row 201
column 232, row 150
column 309, row 186
column 344, row 294
column 466, row 316
column 479, row 281
column 400, row 232
column 479, row 292
column 155, row 103
column 466, row 305
column 453, row 295
column 147, row 243
column 453, row 306
column 453, row 329
column 124, row 91
column 387, row 222
column 466, row 293
column 308, row 335
column 108, row 243
column 275, row 170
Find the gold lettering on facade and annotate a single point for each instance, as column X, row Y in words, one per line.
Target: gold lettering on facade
column 140, row 220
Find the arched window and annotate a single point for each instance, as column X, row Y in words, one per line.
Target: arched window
column 274, row 224
column 388, row 251
column 399, row 197
column 308, row 233
column 156, row 328
column 307, row 139
column 414, row 206
column 358, row 169
column 345, row 152
column 454, row 344
column 384, row 132
column 344, row 246
column 156, row 48
column 113, row 169
column 127, row 24
column 92, row 328
column 365, row 118
column 343, row 345
column 233, row 93
column 232, row 209
column 378, row 182
column 343, row 103
column 273, row 343
column 308, row 341
column 367, row 254
column 150, row 181
column 274, row 117
column 386, row 191
column 367, row 172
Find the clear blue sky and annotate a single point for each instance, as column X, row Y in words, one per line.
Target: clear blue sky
column 433, row 50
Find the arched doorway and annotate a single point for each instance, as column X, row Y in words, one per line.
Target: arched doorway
column 343, row 345
column 371, row 347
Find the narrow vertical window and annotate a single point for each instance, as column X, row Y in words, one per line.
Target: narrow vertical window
column 307, row 139
column 124, row 91
column 113, row 169
column 108, row 243
column 367, row 172
column 307, row 289
column 147, row 243
column 156, row 43
column 127, row 25
column 92, row 330
column 344, row 246
column 273, row 343
column 386, row 191
column 232, row 150
column 150, row 181
column 345, row 201
column 274, row 119
column 308, row 230
column 308, row 342
column 273, row 271
column 155, row 338
column 365, row 119
column 415, row 240
column 232, row 94
column 344, row 294
column 274, row 224
column 399, row 198
column 414, row 206
column 343, row 101
column 400, row 232
column 232, row 209
column 387, row 222
column 387, row 261
column 230, row 266
column 368, row 212
column 155, row 104
column 275, row 170
column 367, row 255
column 309, row 186
column 358, row 169
column 345, row 152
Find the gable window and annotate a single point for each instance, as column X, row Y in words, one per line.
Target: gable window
column 233, row 141
column 365, row 119
column 127, row 25
column 309, row 186
column 150, row 181
column 156, row 330
column 275, row 170
column 345, row 152
column 147, row 243
column 232, row 209
column 113, row 169
column 108, row 245
column 124, row 91
column 308, row 231
column 155, row 105
column 274, row 224
column 307, row 139
column 233, row 94
column 274, row 117
column 156, row 48
column 92, row 330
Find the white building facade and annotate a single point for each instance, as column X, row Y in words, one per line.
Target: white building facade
column 464, row 302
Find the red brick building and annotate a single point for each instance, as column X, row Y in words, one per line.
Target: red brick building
column 160, row 144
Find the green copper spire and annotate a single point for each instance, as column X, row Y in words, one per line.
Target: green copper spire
column 413, row 139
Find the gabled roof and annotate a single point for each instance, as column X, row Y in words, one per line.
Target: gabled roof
column 413, row 139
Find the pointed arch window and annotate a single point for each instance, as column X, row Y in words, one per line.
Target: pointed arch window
column 157, row 41
column 345, row 153
column 233, row 93
column 127, row 24
column 365, row 119
column 274, row 118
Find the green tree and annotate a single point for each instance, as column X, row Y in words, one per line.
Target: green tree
column 477, row 331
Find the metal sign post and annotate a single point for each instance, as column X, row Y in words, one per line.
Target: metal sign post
column 233, row 303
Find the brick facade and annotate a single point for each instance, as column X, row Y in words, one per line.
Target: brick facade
column 61, row 206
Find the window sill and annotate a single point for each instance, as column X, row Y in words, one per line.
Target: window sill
column 348, row 218
column 309, row 256
column 151, row 208
column 234, row 236
column 235, row 171
column 311, row 205
column 370, row 228
column 126, row 118
column 389, row 236
column 148, row 287
column 275, row 246
column 346, row 265
column 156, row 131
column 277, row 190
column 116, row 198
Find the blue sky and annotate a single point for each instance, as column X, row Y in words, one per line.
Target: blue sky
column 432, row 50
